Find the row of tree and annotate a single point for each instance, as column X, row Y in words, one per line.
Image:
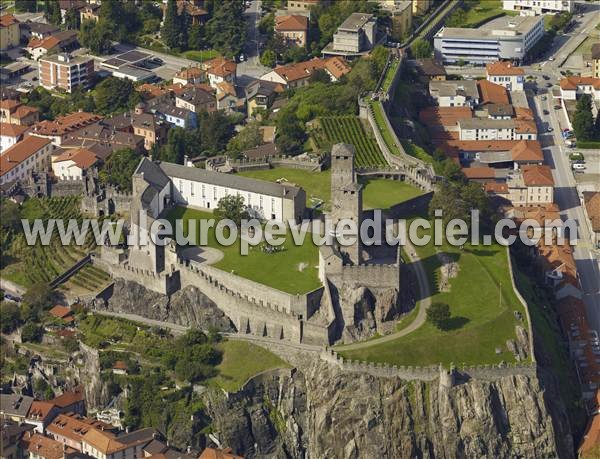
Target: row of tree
column 585, row 127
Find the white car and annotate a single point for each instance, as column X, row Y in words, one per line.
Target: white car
column 578, row 166
column 551, row 58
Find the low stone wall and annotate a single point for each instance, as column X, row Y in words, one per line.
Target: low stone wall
column 480, row 372
column 373, row 276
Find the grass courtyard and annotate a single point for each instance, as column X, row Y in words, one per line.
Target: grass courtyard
column 293, row 270
column 482, row 303
column 480, row 11
column 377, row 194
column 236, row 368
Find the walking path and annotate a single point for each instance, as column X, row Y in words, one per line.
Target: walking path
column 425, row 291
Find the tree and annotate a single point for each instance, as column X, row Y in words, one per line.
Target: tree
column 38, row 296
column 176, row 146
column 31, row 333
column 247, row 138
column 457, row 19
column 226, row 30
column 10, row 316
column 52, row 12
column 115, row 94
column 421, row 48
column 449, row 201
column 72, row 19
column 320, row 76
column 119, row 168
column 25, row 6
column 196, row 37
column 268, row 58
column 170, row 29
column 597, row 126
column 96, row 36
column 231, row 207
column 583, row 120
column 438, row 314
column 215, row 130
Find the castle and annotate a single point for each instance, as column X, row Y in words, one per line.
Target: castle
column 358, row 293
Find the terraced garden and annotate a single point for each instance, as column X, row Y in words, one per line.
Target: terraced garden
column 348, row 129
column 27, row 265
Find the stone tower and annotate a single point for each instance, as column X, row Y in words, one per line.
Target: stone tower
column 346, row 196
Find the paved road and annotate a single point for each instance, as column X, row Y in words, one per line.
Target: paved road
column 425, row 293
column 12, row 288
column 252, row 66
column 566, row 196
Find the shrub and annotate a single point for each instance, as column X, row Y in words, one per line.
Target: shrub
column 438, row 314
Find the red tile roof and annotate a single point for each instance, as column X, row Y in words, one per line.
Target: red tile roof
column 212, row 453
column 437, row 117
column 21, row 151
column 81, row 157
column 41, row 446
column 60, row 311
column 503, row 68
column 12, row 130
column 479, row 173
column 64, row 124
column 527, row 151
column 492, row 93
column 221, row 67
column 337, row 66
column 7, row 20
column 496, row 188
column 536, row 175
column 291, row 23
column 69, row 398
column 300, row 70
column 40, row 410
column 120, row 365
column 573, row 81
column 591, row 200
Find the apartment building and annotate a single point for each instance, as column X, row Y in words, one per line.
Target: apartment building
column 505, row 74
column 32, row 153
column 496, row 129
column 57, row 130
column 9, row 32
column 65, row 71
column 196, row 100
column 401, row 13
column 537, row 7
column 357, row 34
column 219, row 70
column 532, row 185
column 574, row 86
column 510, row 38
column 12, row 111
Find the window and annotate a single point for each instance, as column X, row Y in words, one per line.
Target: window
column 214, row 192
column 203, row 191
column 192, row 188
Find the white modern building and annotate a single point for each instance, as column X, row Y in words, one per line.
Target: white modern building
column 507, row 38
column 537, row 7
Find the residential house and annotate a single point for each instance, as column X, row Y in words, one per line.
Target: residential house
column 492, row 93
column 228, row 98
column 11, row 444
column 55, row 43
column 496, row 129
column 61, row 312
column 261, row 152
column 297, row 75
column 30, row 154
column 120, row 368
column 12, row 111
column 177, row 116
column 260, row 95
column 105, row 445
column 41, row 414
column 213, row 453
column 538, row 7
column 219, row 70
column 90, row 12
column 10, row 34
column 58, row 129
column 591, row 206
column 532, row 185
column 66, row 5
column 196, row 100
column 596, row 60
column 41, row 447
column 190, row 75
column 293, row 29
column 69, row 429
column 154, row 93
column 505, row 74
column 463, row 93
column 429, row 69
column 14, row 407
column 63, row 71
column 10, row 134
column 103, row 139
column 39, row 30
column 574, row 86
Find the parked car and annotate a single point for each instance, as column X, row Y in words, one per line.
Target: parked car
column 545, row 77
column 544, row 97
column 548, row 85
column 158, row 60
column 546, row 112
column 549, row 129
column 571, row 143
column 578, row 166
column 551, row 58
column 557, row 107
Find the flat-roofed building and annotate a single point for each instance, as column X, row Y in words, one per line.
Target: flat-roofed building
column 454, row 93
column 507, row 38
column 537, row 7
column 65, row 72
column 357, row 34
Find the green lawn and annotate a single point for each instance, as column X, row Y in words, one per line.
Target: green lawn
column 200, row 56
column 389, row 75
column 481, row 301
column 316, row 184
column 481, row 10
column 416, row 151
column 242, row 360
column 279, row 270
column 382, row 126
column 378, row 193
column 382, row 193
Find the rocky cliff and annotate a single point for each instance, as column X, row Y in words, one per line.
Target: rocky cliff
column 322, row 412
column 188, row 306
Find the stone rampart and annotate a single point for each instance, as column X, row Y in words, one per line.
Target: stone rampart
column 480, row 372
column 371, row 276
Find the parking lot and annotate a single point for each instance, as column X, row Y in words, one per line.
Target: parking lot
column 588, row 179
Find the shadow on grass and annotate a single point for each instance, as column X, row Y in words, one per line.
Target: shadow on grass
column 455, row 323
column 482, row 253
